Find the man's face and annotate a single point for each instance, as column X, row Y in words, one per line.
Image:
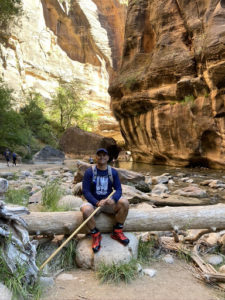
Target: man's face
column 102, row 158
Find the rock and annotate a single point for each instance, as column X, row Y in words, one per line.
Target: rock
column 49, row 155
column 160, row 179
column 6, row 174
column 111, row 252
column 191, row 191
column 88, row 142
column 3, row 185
column 5, row 293
column 78, row 189
column 125, row 175
column 168, row 259
column 71, row 202
column 133, row 195
column 170, row 100
column 25, row 173
column 214, row 259
column 143, row 187
column 149, row 272
column 36, row 197
column 46, row 282
column 212, row 238
column 159, row 189
column 222, row 269
column 176, row 200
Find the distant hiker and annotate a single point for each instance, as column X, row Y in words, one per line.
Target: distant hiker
column 14, row 157
column 91, row 161
column 7, row 155
column 98, row 183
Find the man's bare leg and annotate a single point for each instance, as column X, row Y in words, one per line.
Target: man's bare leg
column 87, row 210
column 122, row 207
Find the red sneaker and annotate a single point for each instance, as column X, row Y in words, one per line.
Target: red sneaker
column 120, row 237
column 96, row 241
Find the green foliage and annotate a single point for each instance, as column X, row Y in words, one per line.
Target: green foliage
column 20, row 197
column 131, row 83
column 188, row 99
column 69, row 109
column 15, row 281
column 51, row 195
column 8, row 10
column 116, row 273
column 33, row 115
column 13, row 130
column 39, row 172
column 146, row 251
column 68, row 256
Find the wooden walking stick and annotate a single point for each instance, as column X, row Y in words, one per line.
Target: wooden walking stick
column 72, row 235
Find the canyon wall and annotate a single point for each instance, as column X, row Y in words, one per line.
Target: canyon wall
column 169, row 96
column 56, row 41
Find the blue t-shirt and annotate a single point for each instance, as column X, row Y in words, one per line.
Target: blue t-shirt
column 101, row 187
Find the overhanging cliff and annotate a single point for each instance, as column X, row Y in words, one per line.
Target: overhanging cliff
column 169, row 96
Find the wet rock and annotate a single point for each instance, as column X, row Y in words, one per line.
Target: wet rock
column 142, row 186
column 111, row 252
column 191, row 191
column 160, row 179
column 133, row 195
column 160, row 189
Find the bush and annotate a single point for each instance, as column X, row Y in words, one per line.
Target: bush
column 116, row 273
column 19, row 197
column 8, row 10
column 51, row 195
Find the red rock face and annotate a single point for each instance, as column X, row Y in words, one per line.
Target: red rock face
column 169, row 96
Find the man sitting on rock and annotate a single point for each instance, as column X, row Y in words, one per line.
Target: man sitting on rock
column 98, row 183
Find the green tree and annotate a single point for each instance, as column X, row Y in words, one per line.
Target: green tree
column 35, row 119
column 8, row 10
column 68, row 107
column 12, row 127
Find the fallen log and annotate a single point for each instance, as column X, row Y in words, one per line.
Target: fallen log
column 157, row 219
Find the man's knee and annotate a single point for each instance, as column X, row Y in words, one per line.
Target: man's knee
column 123, row 203
column 87, row 210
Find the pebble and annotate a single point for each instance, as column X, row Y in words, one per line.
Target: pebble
column 168, row 258
column 150, row 272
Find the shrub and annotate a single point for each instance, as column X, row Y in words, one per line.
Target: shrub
column 51, row 195
column 8, row 10
column 116, row 273
column 19, row 197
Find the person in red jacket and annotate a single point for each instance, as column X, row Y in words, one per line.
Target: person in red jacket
column 98, row 183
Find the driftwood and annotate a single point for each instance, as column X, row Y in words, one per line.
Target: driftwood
column 158, row 219
column 207, row 271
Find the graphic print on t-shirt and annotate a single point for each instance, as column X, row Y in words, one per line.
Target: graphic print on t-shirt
column 101, row 185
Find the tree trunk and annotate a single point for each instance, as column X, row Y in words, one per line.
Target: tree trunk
column 158, row 219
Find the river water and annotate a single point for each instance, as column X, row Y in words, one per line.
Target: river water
column 198, row 175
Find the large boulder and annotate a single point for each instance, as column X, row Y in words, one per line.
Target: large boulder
column 124, row 175
column 76, row 141
column 49, row 155
column 111, row 252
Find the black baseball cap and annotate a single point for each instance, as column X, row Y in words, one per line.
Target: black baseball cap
column 102, row 150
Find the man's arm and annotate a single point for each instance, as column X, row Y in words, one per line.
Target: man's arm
column 86, row 187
